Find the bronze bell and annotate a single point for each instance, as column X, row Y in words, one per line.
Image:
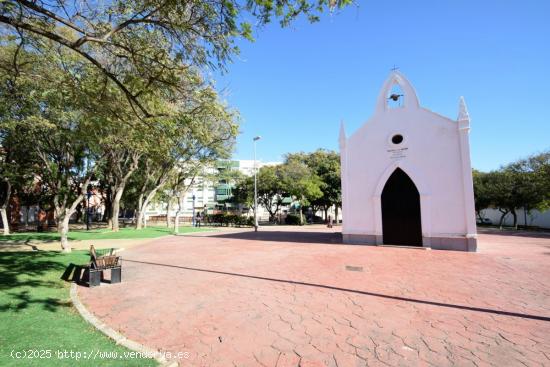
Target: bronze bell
column 395, row 97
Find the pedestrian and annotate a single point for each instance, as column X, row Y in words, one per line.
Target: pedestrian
column 198, row 219
column 329, row 224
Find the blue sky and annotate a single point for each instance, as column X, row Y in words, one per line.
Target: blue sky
column 293, row 86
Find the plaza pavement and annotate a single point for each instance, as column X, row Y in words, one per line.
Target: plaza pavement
column 296, row 297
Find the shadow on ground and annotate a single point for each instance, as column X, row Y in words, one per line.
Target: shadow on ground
column 25, row 238
column 27, row 277
column 298, row 236
column 285, row 236
column 514, row 233
column 336, row 237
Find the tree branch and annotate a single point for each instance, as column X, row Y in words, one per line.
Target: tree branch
column 71, row 45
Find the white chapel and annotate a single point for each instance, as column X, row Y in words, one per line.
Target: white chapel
column 407, row 176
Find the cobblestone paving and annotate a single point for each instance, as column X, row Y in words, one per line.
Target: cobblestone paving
column 282, row 298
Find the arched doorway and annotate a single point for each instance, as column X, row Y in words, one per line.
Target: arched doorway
column 401, row 222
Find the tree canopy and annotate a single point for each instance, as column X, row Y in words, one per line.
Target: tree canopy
column 521, row 184
column 310, row 179
column 142, row 46
column 75, row 128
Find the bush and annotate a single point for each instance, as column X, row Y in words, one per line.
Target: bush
column 294, row 220
column 224, row 219
column 250, row 221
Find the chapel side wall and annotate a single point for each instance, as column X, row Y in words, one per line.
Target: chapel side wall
column 438, row 142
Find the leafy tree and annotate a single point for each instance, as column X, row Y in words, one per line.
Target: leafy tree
column 271, row 186
column 243, row 192
column 271, row 190
column 522, row 184
column 326, row 166
column 42, row 131
column 141, row 45
column 300, row 182
column 66, row 161
column 183, row 181
column 15, row 172
column 122, row 145
column 15, row 162
column 225, row 173
column 531, row 176
column 482, row 192
column 314, row 179
column 203, row 131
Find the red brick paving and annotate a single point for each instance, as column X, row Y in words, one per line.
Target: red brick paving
column 286, row 299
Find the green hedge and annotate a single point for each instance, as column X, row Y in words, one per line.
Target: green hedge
column 224, row 219
column 294, row 220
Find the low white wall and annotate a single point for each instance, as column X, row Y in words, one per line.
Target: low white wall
column 534, row 218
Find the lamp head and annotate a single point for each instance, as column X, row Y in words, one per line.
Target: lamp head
column 256, row 138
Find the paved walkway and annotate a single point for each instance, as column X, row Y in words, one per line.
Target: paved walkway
column 294, row 298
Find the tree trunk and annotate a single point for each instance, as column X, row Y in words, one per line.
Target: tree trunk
column 143, row 204
column 326, row 213
column 177, row 223
column 63, row 214
column 115, row 209
column 63, row 229
column 168, row 210
column 119, row 190
column 301, row 217
column 137, row 212
column 177, row 218
column 141, row 218
column 502, row 218
column 513, row 211
column 273, row 217
column 5, row 223
column 79, row 214
column 4, row 207
column 27, row 209
column 108, row 214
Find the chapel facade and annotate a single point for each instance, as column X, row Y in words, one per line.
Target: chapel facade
column 407, row 176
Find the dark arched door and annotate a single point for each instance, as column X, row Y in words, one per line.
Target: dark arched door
column 401, row 223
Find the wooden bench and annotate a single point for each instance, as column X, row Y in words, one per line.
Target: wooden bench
column 101, row 260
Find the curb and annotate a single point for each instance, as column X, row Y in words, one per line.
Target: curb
column 114, row 335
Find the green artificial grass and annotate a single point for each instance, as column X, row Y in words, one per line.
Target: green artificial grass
column 97, row 234
column 36, row 315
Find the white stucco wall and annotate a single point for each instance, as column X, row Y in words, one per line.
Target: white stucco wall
column 534, row 217
column 432, row 154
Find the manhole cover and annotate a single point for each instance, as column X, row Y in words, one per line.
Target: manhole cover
column 354, row 268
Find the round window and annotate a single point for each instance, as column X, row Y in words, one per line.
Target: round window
column 397, row 139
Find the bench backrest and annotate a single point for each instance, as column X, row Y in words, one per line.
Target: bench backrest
column 104, row 261
column 93, row 254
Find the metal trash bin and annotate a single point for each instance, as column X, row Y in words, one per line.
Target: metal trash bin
column 116, row 275
column 92, row 277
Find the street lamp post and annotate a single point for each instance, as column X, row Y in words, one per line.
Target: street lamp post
column 193, row 219
column 256, row 138
column 88, row 196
